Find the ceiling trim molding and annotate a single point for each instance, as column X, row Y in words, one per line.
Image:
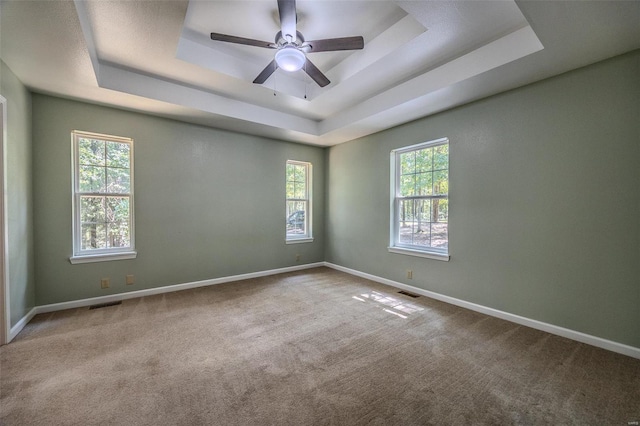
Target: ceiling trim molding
column 87, row 31
column 392, row 106
column 519, row 43
column 112, row 77
column 153, row 87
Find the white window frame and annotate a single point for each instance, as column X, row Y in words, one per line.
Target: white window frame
column 108, row 254
column 308, row 216
column 394, row 232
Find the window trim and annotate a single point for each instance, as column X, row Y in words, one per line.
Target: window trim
column 394, row 186
column 308, row 216
column 108, row 254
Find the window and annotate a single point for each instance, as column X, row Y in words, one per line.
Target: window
column 298, row 208
column 102, row 198
column 420, row 200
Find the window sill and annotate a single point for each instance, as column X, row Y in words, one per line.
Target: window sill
column 104, row 257
column 299, row 240
column 419, row 253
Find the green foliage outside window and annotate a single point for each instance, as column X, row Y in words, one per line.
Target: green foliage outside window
column 423, row 203
column 297, row 198
column 104, row 186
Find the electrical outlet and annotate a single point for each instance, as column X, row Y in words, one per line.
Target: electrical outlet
column 129, row 280
column 297, row 258
column 104, row 283
column 409, row 274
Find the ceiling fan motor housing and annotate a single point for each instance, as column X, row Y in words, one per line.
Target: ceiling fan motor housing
column 281, row 41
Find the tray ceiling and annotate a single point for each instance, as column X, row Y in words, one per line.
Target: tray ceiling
column 420, row 57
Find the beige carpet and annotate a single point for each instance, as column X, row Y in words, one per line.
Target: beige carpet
column 312, row 347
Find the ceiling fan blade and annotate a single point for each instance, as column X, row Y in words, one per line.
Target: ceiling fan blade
column 315, row 74
column 332, row 44
column 266, row 73
column 242, row 40
column 288, row 19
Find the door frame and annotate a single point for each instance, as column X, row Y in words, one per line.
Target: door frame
column 5, row 318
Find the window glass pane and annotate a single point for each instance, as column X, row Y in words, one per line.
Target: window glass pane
column 296, row 181
column 118, row 154
column 422, row 214
column 415, row 222
column 118, row 235
column 424, row 160
column 117, row 209
column 406, row 235
column 299, row 173
column 407, row 163
column 424, row 183
column 92, row 179
column 290, row 189
column 410, row 225
column 91, row 152
column 118, row 180
column 441, row 157
column 296, row 218
column 92, row 209
column 441, row 210
column 439, row 235
column 94, row 236
column 407, row 185
column 291, row 169
column 300, row 190
column 441, row 182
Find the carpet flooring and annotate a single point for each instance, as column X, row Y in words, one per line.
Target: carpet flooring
column 315, row 347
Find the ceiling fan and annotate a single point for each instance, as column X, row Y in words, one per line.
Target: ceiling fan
column 291, row 47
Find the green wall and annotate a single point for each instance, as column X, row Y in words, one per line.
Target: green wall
column 544, row 202
column 208, row 203
column 19, row 195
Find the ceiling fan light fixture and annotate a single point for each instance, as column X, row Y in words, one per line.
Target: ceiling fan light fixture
column 289, row 58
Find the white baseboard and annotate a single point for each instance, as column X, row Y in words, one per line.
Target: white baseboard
column 166, row 289
column 20, row 324
column 538, row 325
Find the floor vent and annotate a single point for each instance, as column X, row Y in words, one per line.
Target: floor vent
column 104, row 305
column 406, row 293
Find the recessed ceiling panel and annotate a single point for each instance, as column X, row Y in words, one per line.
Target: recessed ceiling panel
column 420, row 57
column 259, row 20
column 411, row 49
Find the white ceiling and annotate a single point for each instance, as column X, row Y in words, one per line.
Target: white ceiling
column 420, row 57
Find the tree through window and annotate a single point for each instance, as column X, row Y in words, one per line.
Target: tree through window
column 298, row 201
column 420, row 204
column 103, row 194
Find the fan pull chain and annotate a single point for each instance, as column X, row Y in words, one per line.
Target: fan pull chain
column 305, row 80
column 275, row 82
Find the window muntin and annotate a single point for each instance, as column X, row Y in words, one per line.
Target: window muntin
column 420, row 197
column 298, row 200
column 102, row 194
